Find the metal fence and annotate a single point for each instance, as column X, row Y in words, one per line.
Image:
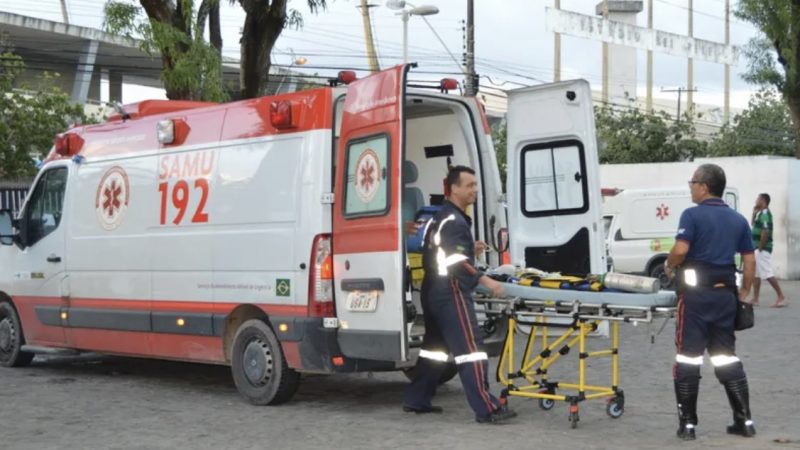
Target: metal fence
column 12, row 198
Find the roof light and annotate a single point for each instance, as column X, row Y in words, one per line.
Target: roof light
column 68, row 144
column 166, row 131
column 347, row 76
column 448, row 84
column 280, row 114
column 172, row 131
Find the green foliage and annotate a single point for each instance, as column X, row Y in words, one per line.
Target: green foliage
column 764, row 128
column 628, row 135
column 192, row 67
column 773, row 56
column 29, row 122
column 500, row 139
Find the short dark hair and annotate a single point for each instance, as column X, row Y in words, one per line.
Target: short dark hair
column 764, row 196
column 712, row 176
column 454, row 174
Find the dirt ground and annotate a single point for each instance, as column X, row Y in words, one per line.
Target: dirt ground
column 91, row 402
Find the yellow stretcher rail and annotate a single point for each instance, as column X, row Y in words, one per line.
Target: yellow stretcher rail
column 529, row 378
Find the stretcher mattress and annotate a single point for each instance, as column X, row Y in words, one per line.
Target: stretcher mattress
column 665, row 299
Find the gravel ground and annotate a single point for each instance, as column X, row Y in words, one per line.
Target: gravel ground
column 92, row 402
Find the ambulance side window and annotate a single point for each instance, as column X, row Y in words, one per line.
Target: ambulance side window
column 366, row 189
column 43, row 212
column 554, row 179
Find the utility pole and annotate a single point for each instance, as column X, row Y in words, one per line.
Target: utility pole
column 679, row 91
column 727, row 113
column 690, row 65
column 605, row 56
column 64, row 11
column 557, row 51
column 472, row 77
column 649, row 60
column 372, row 58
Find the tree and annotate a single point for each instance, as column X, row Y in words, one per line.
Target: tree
column 764, row 128
column 171, row 31
column 774, row 57
column 627, row 135
column 192, row 68
column 263, row 24
column 29, row 122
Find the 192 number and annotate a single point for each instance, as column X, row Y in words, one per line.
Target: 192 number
column 180, row 200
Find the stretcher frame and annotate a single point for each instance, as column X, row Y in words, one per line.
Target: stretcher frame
column 583, row 319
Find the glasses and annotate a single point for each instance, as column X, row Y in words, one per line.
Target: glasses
column 691, row 182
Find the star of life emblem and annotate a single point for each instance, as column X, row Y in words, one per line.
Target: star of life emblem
column 111, row 200
column 368, row 175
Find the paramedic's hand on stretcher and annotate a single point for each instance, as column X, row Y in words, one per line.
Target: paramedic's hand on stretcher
column 412, row 227
column 480, row 247
column 497, row 288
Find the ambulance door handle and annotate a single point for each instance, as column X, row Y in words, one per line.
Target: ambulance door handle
column 54, row 259
column 578, row 177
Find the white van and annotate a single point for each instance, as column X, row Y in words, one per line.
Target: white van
column 269, row 234
column 640, row 226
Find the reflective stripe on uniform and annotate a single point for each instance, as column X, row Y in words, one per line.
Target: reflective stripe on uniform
column 695, row 361
column 690, row 277
column 723, row 360
column 436, row 356
column 471, row 357
column 437, row 238
column 444, row 261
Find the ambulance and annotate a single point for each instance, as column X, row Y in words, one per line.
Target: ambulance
column 270, row 234
column 640, row 226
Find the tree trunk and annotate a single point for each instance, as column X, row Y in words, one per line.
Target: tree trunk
column 168, row 13
column 215, row 31
column 262, row 26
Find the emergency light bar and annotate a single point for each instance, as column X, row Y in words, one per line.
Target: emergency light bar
column 68, row 144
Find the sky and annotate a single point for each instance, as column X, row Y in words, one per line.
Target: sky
column 513, row 47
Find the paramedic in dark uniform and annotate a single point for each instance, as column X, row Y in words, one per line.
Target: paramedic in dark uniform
column 709, row 236
column 450, row 323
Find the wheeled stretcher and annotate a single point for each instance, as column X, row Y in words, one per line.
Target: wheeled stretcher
column 578, row 314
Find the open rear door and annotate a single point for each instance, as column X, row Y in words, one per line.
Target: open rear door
column 554, row 202
column 367, row 241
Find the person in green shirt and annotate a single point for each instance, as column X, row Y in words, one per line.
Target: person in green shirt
column 762, row 241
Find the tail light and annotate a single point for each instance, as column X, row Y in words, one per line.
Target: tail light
column 280, row 114
column 320, row 278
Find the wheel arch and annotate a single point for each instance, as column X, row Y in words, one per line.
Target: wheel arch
column 653, row 261
column 235, row 319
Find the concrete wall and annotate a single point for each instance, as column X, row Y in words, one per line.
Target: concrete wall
column 750, row 175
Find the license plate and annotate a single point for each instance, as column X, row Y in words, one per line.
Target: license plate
column 366, row 301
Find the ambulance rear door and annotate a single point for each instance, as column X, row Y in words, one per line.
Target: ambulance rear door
column 554, row 201
column 369, row 257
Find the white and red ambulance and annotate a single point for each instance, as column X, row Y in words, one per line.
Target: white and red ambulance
column 269, row 235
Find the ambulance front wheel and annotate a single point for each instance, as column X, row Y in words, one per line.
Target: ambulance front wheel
column 11, row 338
column 259, row 368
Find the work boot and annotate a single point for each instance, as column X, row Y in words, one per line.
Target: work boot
column 686, row 397
column 739, row 398
column 498, row 416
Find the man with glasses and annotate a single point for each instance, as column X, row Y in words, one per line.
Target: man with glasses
column 709, row 236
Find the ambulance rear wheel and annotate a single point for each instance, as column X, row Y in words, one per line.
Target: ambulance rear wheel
column 660, row 274
column 259, row 368
column 11, row 338
column 448, row 373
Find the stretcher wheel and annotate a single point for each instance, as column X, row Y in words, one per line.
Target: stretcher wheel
column 573, row 415
column 546, row 403
column 615, row 409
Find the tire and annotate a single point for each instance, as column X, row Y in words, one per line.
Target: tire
column 11, row 338
column 658, row 272
column 259, row 368
column 614, row 409
column 448, row 374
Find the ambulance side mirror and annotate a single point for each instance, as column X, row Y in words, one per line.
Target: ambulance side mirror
column 6, row 227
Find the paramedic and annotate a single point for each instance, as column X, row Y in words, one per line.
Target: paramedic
column 450, row 322
column 709, row 235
